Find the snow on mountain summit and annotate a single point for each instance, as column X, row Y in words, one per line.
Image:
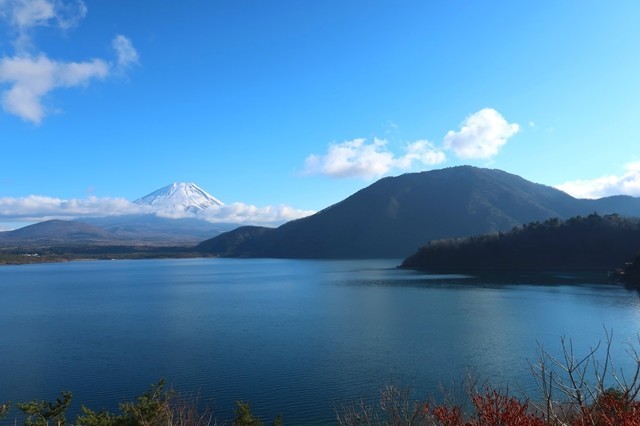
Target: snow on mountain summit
column 179, row 196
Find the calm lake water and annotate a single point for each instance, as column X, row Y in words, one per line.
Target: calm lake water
column 294, row 337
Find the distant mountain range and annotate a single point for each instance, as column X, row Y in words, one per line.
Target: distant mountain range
column 53, row 232
column 163, row 223
column 128, row 230
column 396, row 215
column 391, row 218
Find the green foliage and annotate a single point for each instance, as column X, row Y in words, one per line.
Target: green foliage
column 245, row 417
column 101, row 418
column 615, row 393
column 150, row 408
column 43, row 413
column 157, row 406
column 277, row 421
column 4, row 409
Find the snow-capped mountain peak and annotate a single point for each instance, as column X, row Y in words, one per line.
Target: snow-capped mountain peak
column 179, row 196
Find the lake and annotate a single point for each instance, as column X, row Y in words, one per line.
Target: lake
column 296, row 337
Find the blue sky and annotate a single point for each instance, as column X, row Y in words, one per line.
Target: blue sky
column 284, row 107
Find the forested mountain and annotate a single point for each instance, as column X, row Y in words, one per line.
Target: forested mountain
column 396, row 215
column 593, row 242
column 631, row 272
column 241, row 242
column 624, row 205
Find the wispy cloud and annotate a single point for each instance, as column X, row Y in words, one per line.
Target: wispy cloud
column 31, row 78
column 421, row 152
column 628, row 183
column 127, row 55
column 239, row 213
column 251, row 215
column 26, row 15
column 481, row 136
column 37, row 208
column 357, row 158
column 31, row 75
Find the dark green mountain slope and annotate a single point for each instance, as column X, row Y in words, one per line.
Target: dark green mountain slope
column 621, row 204
column 56, row 232
column 631, row 272
column 241, row 242
column 396, row 215
column 593, row 242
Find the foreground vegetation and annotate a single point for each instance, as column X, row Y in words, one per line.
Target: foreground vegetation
column 575, row 391
column 585, row 390
column 157, row 406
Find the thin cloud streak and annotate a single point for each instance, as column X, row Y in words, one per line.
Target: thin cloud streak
column 627, row 184
column 25, row 15
column 251, row 215
column 238, row 213
column 127, row 55
column 37, row 208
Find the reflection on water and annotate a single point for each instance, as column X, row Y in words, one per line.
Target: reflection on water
column 292, row 336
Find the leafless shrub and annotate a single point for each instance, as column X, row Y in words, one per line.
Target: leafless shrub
column 573, row 386
column 394, row 407
column 188, row 411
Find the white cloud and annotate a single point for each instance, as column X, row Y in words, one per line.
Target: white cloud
column 352, row 158
column 240, row 213
column 357, row 158
column 627, row 184
column 25, row 15
column 32, row 76
column 251, row 215
column 423, row 152
column 127, row 55
column 481, row 135
column 35, row 208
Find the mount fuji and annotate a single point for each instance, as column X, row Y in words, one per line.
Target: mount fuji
column 171, row 215
column 179, row 197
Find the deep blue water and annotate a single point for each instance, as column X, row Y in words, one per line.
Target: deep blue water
column 294, row 337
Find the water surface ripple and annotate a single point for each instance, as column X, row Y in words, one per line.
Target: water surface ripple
column 293, row 336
